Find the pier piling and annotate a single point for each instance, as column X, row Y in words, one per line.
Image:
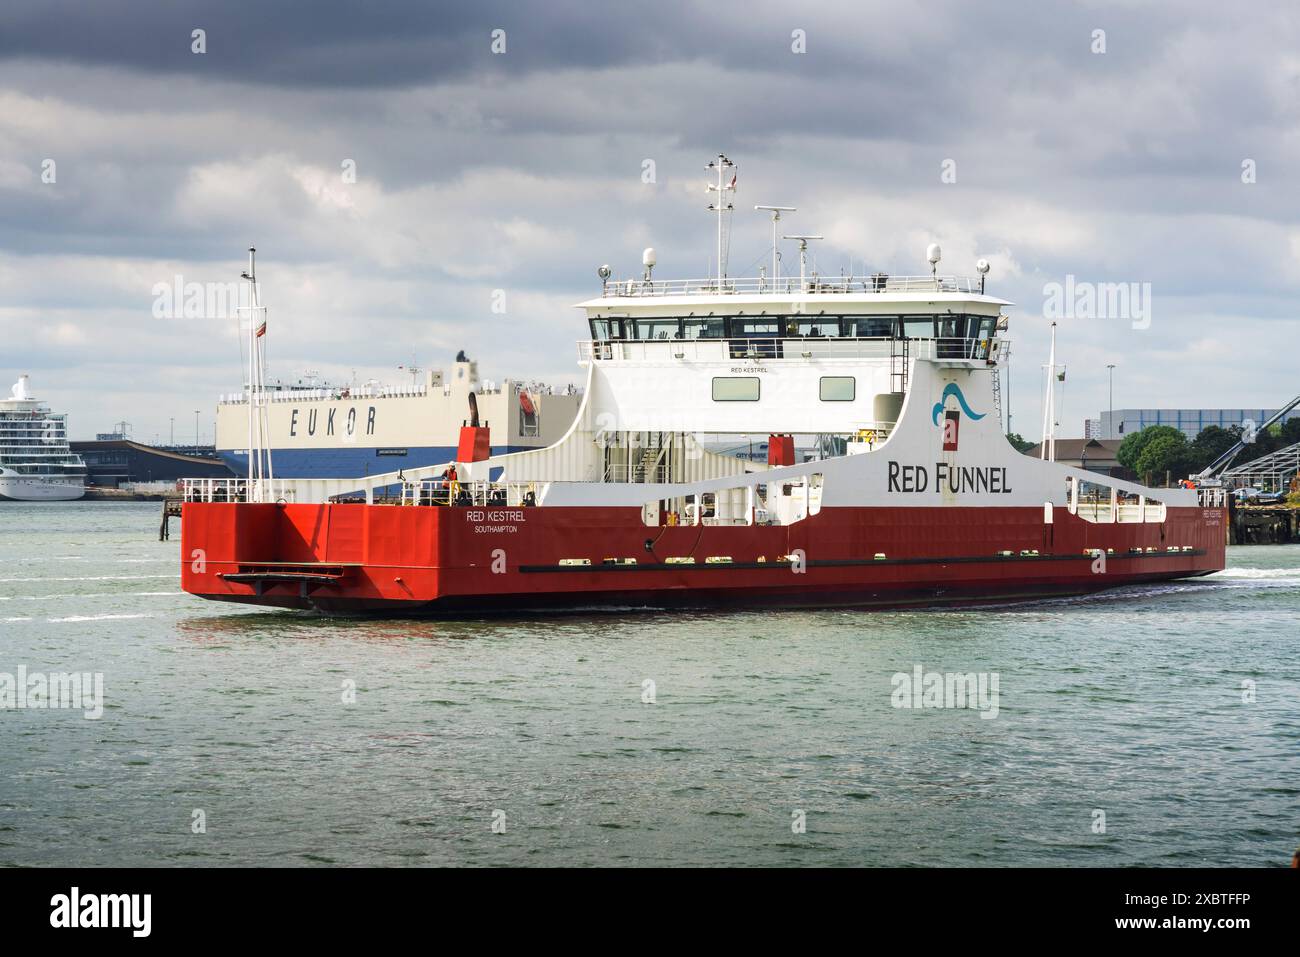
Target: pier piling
column 170, row 508
column 1263, row 525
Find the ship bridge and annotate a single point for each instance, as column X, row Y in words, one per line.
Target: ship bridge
column 807, row 355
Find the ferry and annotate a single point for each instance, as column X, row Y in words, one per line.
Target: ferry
column 318, row 430
column 36, row 464
column 919, row 501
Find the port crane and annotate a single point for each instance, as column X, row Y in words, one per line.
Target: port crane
column 1209, row 477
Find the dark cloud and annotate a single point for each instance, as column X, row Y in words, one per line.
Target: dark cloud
column 522, row 171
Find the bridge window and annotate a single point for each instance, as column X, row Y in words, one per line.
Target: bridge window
column 756, row 338
column 658, row 329
column 735, row 389
column 918, row 327
column 814, row 327
column 838, row 388
column 952, row 327
column 704, row 328
column 602, row 329
column 871, row 327
column 762, row 328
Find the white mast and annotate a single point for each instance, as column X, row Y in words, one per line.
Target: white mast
column 776, row 212
column 259, row 426
column 722, row 206
column 1047, row 449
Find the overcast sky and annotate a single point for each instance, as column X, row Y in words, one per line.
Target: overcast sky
column 522, row 171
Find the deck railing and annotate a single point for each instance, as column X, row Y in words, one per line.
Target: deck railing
column 792, row 285
column 1103, row 513
column 844, row 347
column 238, row 490
column 344, row 395
column 475, row 494
column 1213, row 497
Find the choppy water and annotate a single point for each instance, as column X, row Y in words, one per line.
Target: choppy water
column 1130, row 703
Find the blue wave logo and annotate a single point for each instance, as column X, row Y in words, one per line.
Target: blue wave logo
column 952, row 389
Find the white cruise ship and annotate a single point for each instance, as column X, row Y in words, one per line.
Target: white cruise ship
column 36, row 464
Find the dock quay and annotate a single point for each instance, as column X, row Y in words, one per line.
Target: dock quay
column 94, row 494
column 1263, row 524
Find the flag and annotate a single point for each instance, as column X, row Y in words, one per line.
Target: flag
column 261, row 329
column 733, row 180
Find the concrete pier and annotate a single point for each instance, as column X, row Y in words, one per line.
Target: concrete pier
column 1263, row 524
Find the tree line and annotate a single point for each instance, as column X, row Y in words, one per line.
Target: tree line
column 1161, row 449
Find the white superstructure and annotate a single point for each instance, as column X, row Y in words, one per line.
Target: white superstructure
column 676, row 365
column 36, row 464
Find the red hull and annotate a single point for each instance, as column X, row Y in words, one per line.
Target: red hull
column 435, row 560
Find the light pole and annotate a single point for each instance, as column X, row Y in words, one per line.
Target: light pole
column 196, row 429
column 1111, row 430
column 172, row 437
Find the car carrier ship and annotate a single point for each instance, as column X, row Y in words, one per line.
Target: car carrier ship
column 925, row 504
column 319, row 430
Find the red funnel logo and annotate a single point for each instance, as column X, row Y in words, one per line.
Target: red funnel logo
column 951, row 421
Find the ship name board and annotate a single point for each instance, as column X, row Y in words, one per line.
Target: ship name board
column 313, row 423
column 496, row 521
column 950, row 478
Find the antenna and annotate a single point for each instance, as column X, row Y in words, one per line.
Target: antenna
column 1047, row 450
column 776, row 212
column 933, row 253
column 803, row 257
column 413, row 369
column 721, row 165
